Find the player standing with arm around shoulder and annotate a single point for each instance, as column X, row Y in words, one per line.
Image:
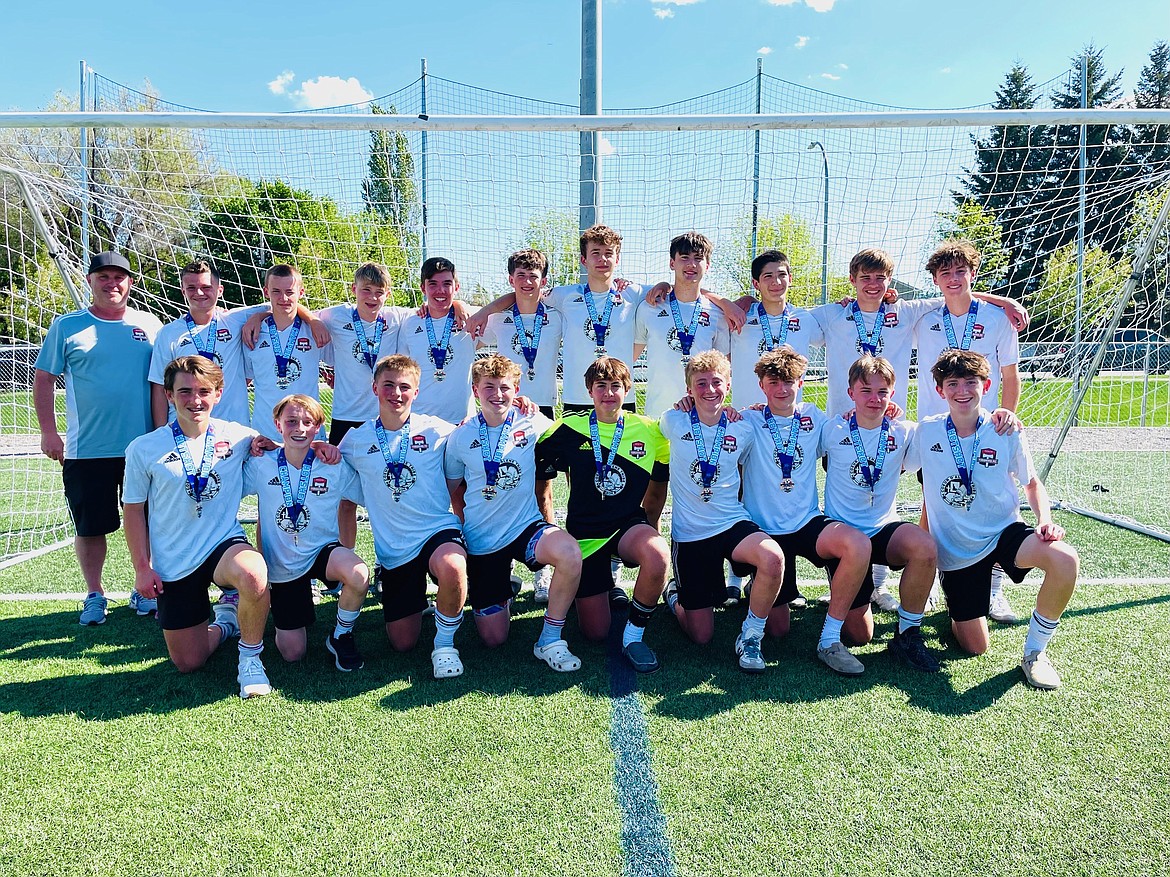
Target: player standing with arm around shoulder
column 709, row 524
column 191, row 472
column 491, row 474
column 969, row 475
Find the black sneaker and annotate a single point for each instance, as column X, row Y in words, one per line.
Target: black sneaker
column 345, row 654
column 911, row 648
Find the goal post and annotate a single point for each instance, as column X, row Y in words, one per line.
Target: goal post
column 330, row 190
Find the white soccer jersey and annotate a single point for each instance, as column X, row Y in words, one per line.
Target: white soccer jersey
column 894, row 342
column 579, row 342
column 490, row 524
column 847, row 496
column 290, row 547
column 183, row 533
column 301, row 376
column 993, row 335
column 353, row 375
column 105, row 363
column 506, row 335
column 777, row 507
column 175, row 339
column 406, row 513
column 967, row 526
column 692, row 519
column 750, row 343
column 448, row 399
column 655, row 327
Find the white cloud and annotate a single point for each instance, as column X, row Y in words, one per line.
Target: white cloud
column 330, row 91
column 663, row 13
column 604, row 147
column 800, row 43
column 815, row 5
column 842, row 66
column 945, row 70
column 830, row 76
column 281, row 83
column 764, row 50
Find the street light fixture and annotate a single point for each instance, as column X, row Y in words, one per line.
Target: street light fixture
column 825, row 227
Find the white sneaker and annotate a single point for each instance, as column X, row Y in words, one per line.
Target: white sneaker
column 884, row 600
column 1001, row 609
column 252, row 678
column 1039, row 672
column 543, row 580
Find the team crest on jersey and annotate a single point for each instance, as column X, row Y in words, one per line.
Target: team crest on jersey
column 319, row 485
column 292, row 373
column 223, row 334
column 209, row 492
column 955, row 494
column 729, row 445
column 855, row 473
column 223, row 450
column 518, row 343
column 303, row 344
column 520, row 438
column 797, row 458
column 936, row 448
column 612, row 483
column 794, row 324
column 987, row 457
column 697, row 474
column 406, row 479
column 637, row 450
column 587, row 328
column 448, row 361
column 978, row 332
column 891, row 444
column 806, row 423
column 285, row 523
column 359, row 350
column 879, row 345
column 139, row 334
column 418, row 443
column 890, row 319
column 509, row 475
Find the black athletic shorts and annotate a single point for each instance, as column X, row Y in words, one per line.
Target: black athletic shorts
column 93, row 491
column 404, row 588
column 489, row 576
column 698, row 566
column 185, row 603
column 292, row 602
column 338, row 429
column 802, row 543
column 596, row 569
column 968, row 590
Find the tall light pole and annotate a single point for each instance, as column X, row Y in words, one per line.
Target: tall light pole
column 825, row 227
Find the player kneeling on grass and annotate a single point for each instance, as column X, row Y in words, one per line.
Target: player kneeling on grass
column 191, row 473
column 780, row 494
column 969, row 476
column 709, row 523
column 297, row 528
column 491, row 474
column 611, row 455
column 399, row 460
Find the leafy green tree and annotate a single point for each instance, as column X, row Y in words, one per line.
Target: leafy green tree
column 979, row 225
column 555, row 233
column 1053, row 304
column 389, row 191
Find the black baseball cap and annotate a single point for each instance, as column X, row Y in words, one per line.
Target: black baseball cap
column 108, row 260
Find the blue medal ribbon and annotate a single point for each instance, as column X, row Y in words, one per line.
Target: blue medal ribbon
column 965, row 471
column 686, row 336
column 439, row 347
column 294, row 505
column 282, row 357
column 874, row 474
column 785, row 448
column 600, row 321
column 369, row 348
column 777, row 340
column 602, row 466
column 196, row 478
column 212, row 330
column 395, row 464
column 968, row 330
column 493, row 457
column 869, row 341
column 532, row 338
column 708, row 464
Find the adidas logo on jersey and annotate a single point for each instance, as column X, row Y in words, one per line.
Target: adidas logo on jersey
column 418, row 330
column 274, row 482
column 374, row 449
column 845, row 441
column 475, row 444
column 936, row 448
column 663, row 313
column 936, row 327
column 688, row 437
column 172, row 457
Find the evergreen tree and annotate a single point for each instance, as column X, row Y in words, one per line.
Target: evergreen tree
column 389, row 190
column 1153, row 92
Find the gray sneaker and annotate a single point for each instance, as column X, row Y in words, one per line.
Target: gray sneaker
column 751, row 659
column 1039, row 672
column 93, row 610
column 252, row 678
column 884, row 600
column 226, row 617
column 840, row 660
column 543, row 580
column 143, row 605
column 1001, row 610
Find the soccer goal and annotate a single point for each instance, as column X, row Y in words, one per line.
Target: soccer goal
column 1069, row 208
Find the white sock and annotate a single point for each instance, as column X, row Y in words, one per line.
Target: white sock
column 1040, row 631
column 880, row 574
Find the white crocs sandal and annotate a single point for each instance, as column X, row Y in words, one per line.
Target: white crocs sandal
column 446, row 663
column 557, row 655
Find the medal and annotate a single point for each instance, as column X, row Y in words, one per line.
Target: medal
column 600, row 321
column 708, row 465
column 369, row 347
column 868, row 342
column 282, row 357
column 785, row 448
column 212, row 332
column 529, row 341
column 965, row 472
column 968, row 330
column 440, row 375
column 686, row 336
column 439, row 347
column 395, row 464
column 772, row 341
column 492, row 458
column 874, row 474
column 294, row 505
column 602, row 468
column 787, row 485
column 196, row 478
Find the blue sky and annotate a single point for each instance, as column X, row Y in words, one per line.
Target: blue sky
column 268, row 57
